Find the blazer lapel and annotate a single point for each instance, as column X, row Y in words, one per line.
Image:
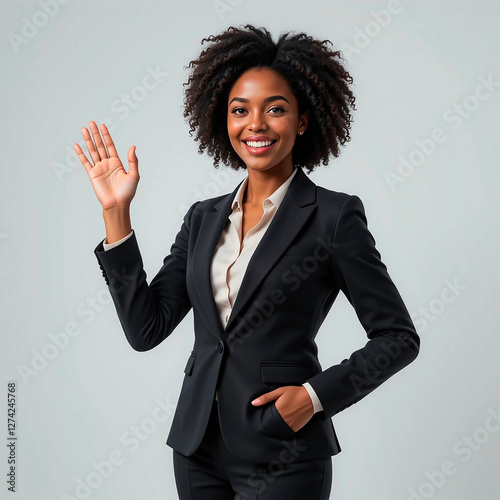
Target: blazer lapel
column 293, row 212
column 208, row 237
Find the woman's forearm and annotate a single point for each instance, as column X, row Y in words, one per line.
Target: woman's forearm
column 117, row 223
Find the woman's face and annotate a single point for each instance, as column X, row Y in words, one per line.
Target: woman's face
column 262, row 107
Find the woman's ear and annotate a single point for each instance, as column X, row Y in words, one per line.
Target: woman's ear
column 304, row 120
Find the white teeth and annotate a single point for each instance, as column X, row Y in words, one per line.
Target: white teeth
column 259, row 144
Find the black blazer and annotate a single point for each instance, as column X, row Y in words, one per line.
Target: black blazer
column 317, row 244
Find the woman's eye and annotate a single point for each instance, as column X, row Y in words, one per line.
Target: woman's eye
column 275, row 109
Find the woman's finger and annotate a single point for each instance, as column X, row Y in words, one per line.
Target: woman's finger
column 94, row 154
column 109, row 142
column 268, row 396
column 133, row 163
column 98, row 140
column 82, row 157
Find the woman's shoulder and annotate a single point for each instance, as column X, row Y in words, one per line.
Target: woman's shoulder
column 338, row 198
column 211, row 203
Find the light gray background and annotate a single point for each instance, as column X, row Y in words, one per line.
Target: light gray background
column 437, row 232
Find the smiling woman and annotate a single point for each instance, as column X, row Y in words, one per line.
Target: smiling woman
column 260, row 267
column 314, row 77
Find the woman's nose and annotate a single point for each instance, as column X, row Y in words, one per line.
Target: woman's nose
column 256, row 122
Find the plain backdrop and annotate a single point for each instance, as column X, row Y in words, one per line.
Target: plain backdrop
column 92, row 415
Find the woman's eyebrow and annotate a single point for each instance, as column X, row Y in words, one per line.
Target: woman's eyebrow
column 267, row 99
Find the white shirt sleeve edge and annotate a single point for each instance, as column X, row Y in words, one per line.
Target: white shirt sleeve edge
column 109, row 246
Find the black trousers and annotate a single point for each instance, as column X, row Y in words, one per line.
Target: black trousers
column 213, row 473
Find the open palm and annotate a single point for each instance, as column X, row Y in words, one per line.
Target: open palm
column 113, row 186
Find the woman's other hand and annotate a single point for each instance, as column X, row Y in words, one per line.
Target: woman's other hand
column 113, row 186
column 292, row 402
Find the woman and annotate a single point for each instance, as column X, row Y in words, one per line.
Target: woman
column 261, row 268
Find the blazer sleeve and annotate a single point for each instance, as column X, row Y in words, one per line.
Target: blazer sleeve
column 148, row 313
column 363, row 278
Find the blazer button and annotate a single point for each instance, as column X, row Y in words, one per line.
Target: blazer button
column 220, row 346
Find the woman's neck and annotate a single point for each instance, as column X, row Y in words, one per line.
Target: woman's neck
column 262, row 184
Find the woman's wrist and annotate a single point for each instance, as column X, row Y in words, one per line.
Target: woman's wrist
column 117, row 223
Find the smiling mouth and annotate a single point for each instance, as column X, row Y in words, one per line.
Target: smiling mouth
column 259, row 144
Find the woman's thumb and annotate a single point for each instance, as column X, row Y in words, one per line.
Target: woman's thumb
column 133, row 162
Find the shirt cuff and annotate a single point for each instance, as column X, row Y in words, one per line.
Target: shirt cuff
column 315, row 400
column 109, row 246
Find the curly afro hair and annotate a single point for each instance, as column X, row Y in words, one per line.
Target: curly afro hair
column 314, row 72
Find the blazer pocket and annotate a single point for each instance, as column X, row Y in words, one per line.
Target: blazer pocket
column 281, row 421
column 300, row 250
column 190, row 363
column 286, row 373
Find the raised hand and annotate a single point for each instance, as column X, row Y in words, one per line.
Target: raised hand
column 113, row 186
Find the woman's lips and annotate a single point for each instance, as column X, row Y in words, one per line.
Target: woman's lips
column 258, row 151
